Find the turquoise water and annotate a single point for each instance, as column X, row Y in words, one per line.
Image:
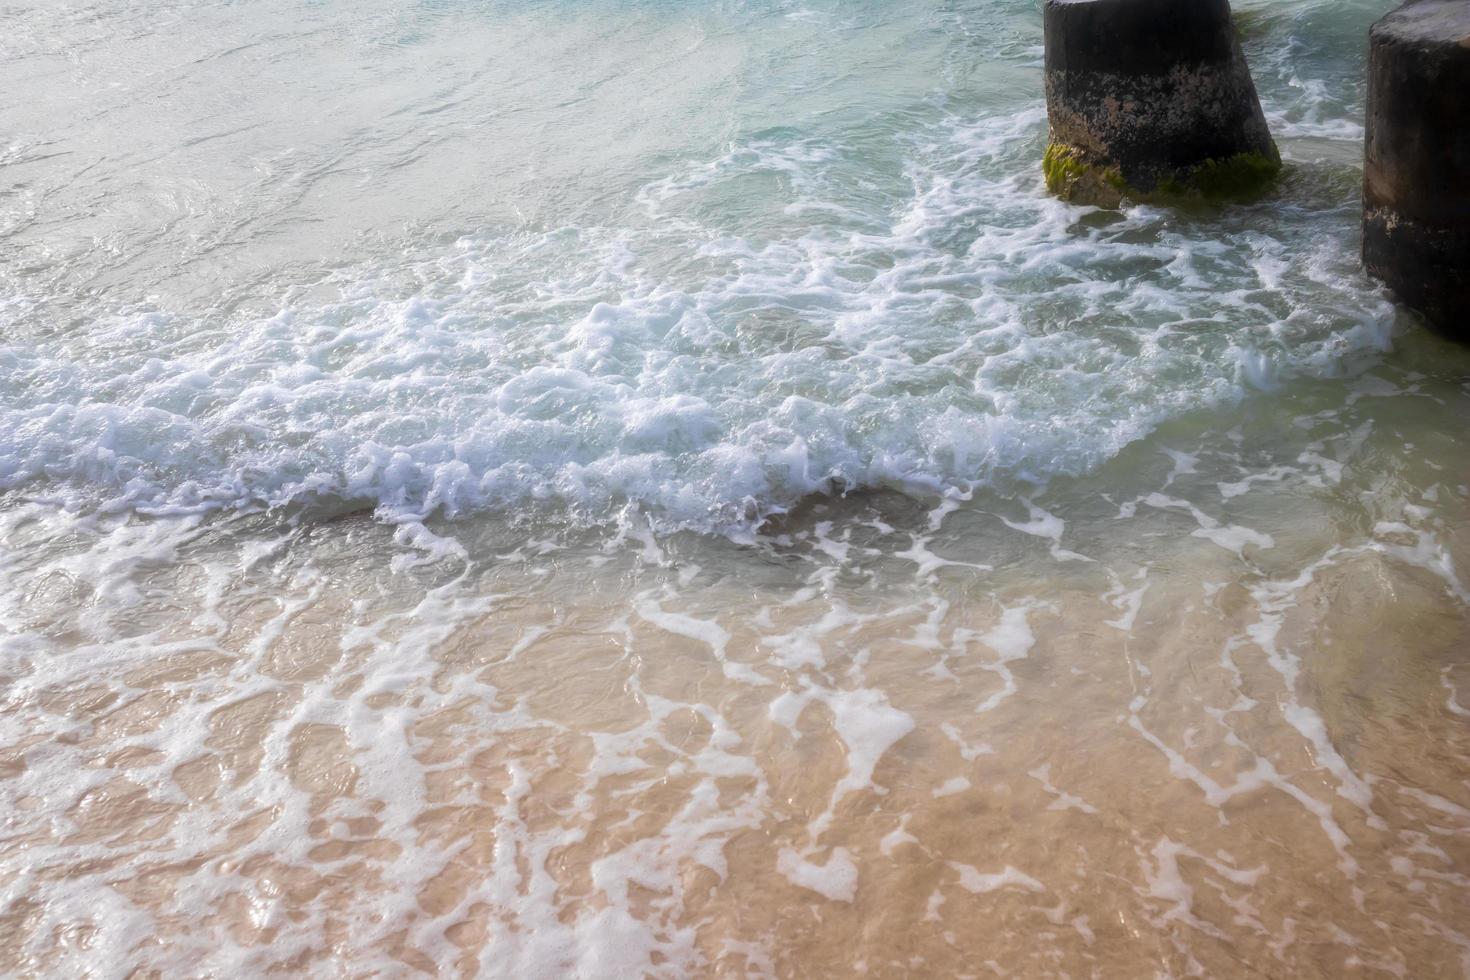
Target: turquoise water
column 703, row 262
column 512, row 459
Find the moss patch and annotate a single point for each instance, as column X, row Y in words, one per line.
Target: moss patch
column 1244, row 175
column 1070, row 177
column 1062, row 167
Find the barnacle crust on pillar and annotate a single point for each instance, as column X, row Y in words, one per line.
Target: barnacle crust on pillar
column 1151, row 99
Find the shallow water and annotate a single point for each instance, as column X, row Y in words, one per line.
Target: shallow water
column 630, row 489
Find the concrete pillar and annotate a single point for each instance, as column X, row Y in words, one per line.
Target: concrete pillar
column 1416, row 175
column 1151, row 99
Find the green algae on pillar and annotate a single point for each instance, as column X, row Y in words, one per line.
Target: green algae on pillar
column 1151, row 100
column 1416, row 174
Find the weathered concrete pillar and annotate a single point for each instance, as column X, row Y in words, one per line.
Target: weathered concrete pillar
column 1416, row 175
column 1151, row 98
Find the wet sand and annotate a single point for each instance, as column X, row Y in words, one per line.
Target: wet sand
column 888, row 738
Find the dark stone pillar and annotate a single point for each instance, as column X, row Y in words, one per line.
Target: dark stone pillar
column 1416, row 175
column 1150, row 98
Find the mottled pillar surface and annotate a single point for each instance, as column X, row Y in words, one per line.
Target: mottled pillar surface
column 1151, row 97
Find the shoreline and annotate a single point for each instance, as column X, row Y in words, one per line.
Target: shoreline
column 1218, row 724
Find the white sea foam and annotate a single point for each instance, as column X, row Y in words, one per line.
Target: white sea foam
column 582, row 369
column 1011, row 640
column 867, row 724
column 980, row 882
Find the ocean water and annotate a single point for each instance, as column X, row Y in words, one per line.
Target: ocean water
column 617, row 489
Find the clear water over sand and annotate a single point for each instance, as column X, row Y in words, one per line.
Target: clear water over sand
column 629, row 489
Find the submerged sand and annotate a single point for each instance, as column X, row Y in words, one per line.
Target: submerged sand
column 1216, row 725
